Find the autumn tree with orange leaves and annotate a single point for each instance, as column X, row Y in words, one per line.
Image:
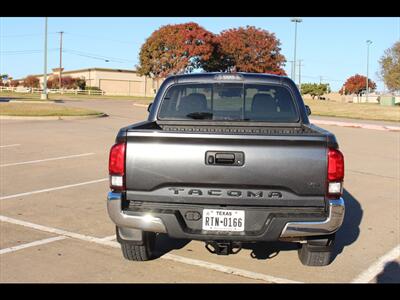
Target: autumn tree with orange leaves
column 357, row 84
column 183, row 48
column 247, row 49
column 31, row 81
column 175, row 49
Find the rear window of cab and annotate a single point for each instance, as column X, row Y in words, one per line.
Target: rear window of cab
column 228, row 102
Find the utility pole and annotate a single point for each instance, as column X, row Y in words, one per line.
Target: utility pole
column 367, row 91
column 295, row 20
column 320, row 79
column 300, row 65
column 59, row 79
column 291, row 68
column 43, row 96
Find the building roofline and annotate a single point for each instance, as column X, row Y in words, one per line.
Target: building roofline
column 90, row 69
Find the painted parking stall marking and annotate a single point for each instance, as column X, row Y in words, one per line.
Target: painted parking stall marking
column 107, row 241
column 47, row 159
column 53, row 189
column 54, row 230
column 378, row 266
column 32, row 244
column 7, row 146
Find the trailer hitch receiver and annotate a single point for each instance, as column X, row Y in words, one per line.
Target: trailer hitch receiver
column 223, row 248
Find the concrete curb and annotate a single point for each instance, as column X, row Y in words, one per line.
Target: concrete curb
column 356, row 125
column 140, row 105
column 31, row 118
column 33, row 101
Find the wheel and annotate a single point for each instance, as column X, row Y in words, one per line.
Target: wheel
column 317, row 252
column 139, row 252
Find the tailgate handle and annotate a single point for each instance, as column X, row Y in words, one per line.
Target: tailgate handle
column 231, row 158
column 225, row 158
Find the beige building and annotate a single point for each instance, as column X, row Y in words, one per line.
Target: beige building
column 114, row 81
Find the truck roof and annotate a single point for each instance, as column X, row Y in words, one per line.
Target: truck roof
column 223, row 76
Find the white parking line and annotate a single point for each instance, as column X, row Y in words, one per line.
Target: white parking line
column 194, row 262
column 53, row 189
column 47, row 159
column 53, row 230
column 13, row 145
column 378, row 266
column 228, row 270
column 109, row 238
column 32, row 244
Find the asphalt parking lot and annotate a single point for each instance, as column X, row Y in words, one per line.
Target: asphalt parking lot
column 54, row 225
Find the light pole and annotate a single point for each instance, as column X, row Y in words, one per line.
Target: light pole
column 43, row 96
column 295, row 20
column 369, row 42
column 300, row 65
column 60, row 79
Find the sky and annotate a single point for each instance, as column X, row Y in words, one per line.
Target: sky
column 331, row 48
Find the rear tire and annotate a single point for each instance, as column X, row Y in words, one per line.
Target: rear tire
column 139, row 252
column 317, row 252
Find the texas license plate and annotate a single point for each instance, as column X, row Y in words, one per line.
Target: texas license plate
column 223, row 220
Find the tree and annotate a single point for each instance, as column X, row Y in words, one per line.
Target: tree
column 357, row 85
column 31, row 81
column 14, row 83
column 80, row 83
column 67, row 82
column 248, row 49
column 390, row 67
column 175, row 49
column 53, row 82
column 315, row 89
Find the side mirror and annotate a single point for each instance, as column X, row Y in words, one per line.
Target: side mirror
column 308, row 109
column 149, row 107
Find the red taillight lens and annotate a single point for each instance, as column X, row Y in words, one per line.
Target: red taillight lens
column 116, row 163
column 335, row 165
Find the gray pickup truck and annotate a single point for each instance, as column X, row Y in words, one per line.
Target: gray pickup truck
column 228, row 159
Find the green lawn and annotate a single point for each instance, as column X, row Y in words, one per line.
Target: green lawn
column 354, row 110
column 43, row 110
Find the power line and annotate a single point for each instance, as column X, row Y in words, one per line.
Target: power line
column 320, row 77
column 17, row 52
column 99, row 38
column 23, row 35
column 97, row 56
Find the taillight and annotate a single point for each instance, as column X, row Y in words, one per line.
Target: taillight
column 335, row 173
column 116, row 166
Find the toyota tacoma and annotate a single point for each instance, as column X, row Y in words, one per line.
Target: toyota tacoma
column 227, row 159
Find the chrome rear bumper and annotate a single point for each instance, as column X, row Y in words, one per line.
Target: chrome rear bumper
column 145, row 223
column 330, row 225
column 148, row 222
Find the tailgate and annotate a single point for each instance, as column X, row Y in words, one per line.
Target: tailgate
column 275, row 171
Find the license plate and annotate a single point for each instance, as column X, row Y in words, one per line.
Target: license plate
column 223, row 220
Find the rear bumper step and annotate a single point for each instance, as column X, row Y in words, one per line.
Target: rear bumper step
column 330, row 225
column 147, row 222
